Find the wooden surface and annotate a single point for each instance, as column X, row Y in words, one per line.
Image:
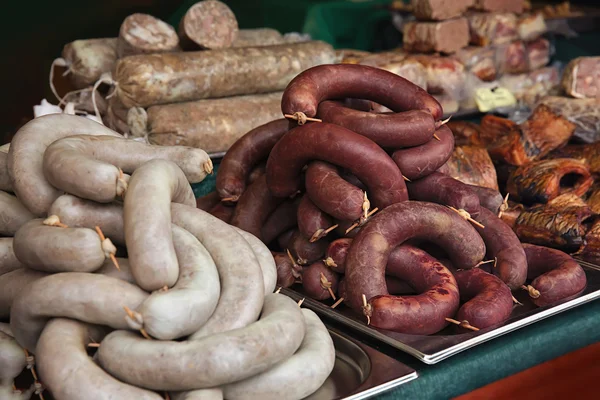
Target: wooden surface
column 574, row 375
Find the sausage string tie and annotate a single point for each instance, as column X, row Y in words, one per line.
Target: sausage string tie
column 232, row 199
column 278, row 290
column 208, row 167
column 516, row 301
column 503, row 206
column 301, row 301
column 406, row 179
column 463, row 324
column 329, row 262
column 104, row 78
column 337, row 303
column 441, row 123
column 464, row 214
column 480, row 263
column 121, row 184
column 362, row 220
column 54, row 220
column 533, row 292
column 301, row 117
column 321, row 233
column 58, row 62
column 39, row 388
column 294, row 263
column 135, row 319
column 367, row 309
column 108, row 248
column 325, row 284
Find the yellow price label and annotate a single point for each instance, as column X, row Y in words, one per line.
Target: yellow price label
column 491, row 98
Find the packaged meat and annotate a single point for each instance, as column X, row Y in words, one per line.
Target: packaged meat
column 350, row 56
column 444, row 37
column 511, row 58
column 444, row 75
column 471, row 165
column 513, row 6
column 213, row 124
column 439, row 10
column 538, row 53
column 531, row 26
column 258, row 37
column 480, row 61
column 383, row 58
column 584, row 113
column 146, row 80
column 398, row 62
column 88, row 59
column 208, row 24
column 530, row 87
column 581, row 78
column 142, row 34
column 492, row 28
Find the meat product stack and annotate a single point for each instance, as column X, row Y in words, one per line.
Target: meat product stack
column 355, row 208
column 186, row 314
column 226, row 82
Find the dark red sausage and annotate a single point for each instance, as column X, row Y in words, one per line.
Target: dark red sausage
column 205, row 203
column 312, row 282
column 369, row 253
column 245, row 153
column 488, row 198
column 558, row 276
column 281, row 220
column 339, row 81
column 503, row 245
column 304, row 251
column 397, row 286
column 256, row 172
column 418, row 162
column 442, row 189
column 393, row 130
column 222, row 211
column 312, row 222
column 287, row 271
column 348, row 177
column 283, row 240
column 335, row 256
column 487, row 300
column 331, row 193
column 342, row 147
column 422, row 314
column 254, row 207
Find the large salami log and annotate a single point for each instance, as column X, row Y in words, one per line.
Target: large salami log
column 88, row 59
column 143, row 34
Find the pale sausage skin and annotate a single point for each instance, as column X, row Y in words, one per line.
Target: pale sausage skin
column 5, row 183
column 311, row 365
column 281, row 220
column 8, row 259
column 264, row 258
column 556, row 275
column 244, row 155
column 12, row 359
column 504, row 246
column 392, row 130
column 338, row 81
column 12, row 284
column 254, row 207
column 69, row 373
column 210, row 361
column 442, row 189
column 331, row 193
column 342, row 147
column 147, row 222
column 13, row 214
column 312, row 222
column 487, row 300
column 420, row 161
column 393, row 226
column 312, row 284
column 83, row 296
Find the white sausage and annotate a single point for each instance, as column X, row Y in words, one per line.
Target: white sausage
column 147, row 222
column 26, row 153
column 265, row 260
column 12, row 359
column 70, row 374
column 13, row 214
column 12, row 284
column 5, row 183
column 8, row 260
column 210, row 361
column 200, row 394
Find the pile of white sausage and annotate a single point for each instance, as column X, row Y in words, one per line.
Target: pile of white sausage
column 189, row 314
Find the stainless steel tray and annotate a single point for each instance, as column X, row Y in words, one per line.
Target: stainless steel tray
column 360, row 371
column 435, row 348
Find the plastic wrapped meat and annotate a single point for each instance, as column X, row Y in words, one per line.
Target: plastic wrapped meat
column 538, row 53
column 531, row 26
column 444, row 75
column 471, row 165
column 511, row 58
column 480, row 61
column 581, row 78
column 584, row 113
column 513, row 6
column 492, row 28
column 443, row 37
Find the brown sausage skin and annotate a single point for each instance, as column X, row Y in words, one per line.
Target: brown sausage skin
column 556, row 275
column 503, row 245
column 311, row 281
column 422, row 314
column 287, row 271
column 208, row 201
column 393, row 226
column 487, row 300
column 335, row 257
column 312, row 222
column 394, row 130
column 331, row 193
column 339, row 81
column 304, row 251
column 397, row 286
column 442, row 189
column 254, row 207
column 418, row 162
column 222, row 211
column 256, row 172
column 342, row 147
column 488, row 198
column 245, row 153
column 283, row 240
column 282, row 219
